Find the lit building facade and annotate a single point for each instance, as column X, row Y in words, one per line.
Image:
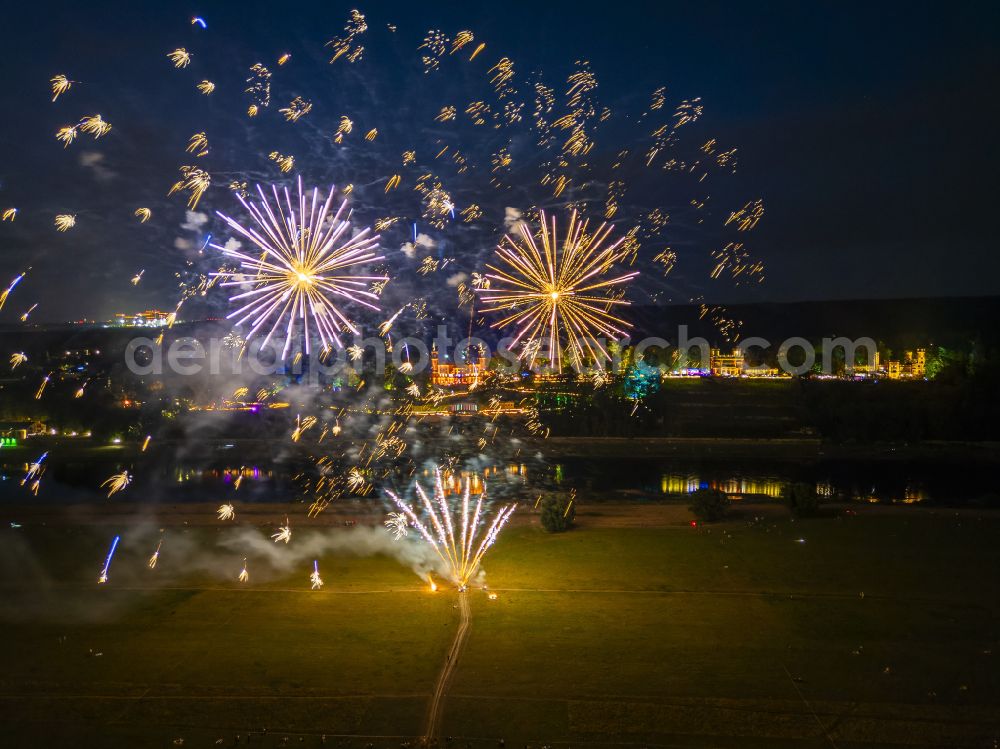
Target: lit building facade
column 735, row 365
column 913, row 366
column 150, row 318
column 451, row 375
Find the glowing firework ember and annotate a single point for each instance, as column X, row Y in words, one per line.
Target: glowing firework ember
column 398, row 524
column 60, row 85
column 180, row 57
column 301, row 426
column 66, row 135
column 65, row 221
column 284, row 533
column 107, row 562
column 244, row 575
column 95, row 125
column 117, row 482
column 226, row 512
column 301, row 273
column 560, row 293
column 460, row 549
column 314, row 578
column 196, row 181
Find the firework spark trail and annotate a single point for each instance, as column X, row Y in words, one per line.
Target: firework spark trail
column 41, row 388
column 107, row 562
column 35, row 469
column 156, row 556
column 226, row 512
column 314, row 578
column 302, row 426
column 461, row 553
column 560, row 292
column 10, row 288
column 302, row 269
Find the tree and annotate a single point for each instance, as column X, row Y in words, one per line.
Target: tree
column 709, row 505
column 946, row 365
column 801, row 499
column 558, row 510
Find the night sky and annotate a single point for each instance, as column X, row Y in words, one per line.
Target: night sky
column 868, row 132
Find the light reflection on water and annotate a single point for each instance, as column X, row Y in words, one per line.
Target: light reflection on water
column 597, row 478
column 454, row 481
column 772, row 487
column 740, row 486
column 184, row 475
column 670, row 484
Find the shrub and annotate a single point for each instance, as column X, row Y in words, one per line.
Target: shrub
column 558, row 510
column 709, row 505
column 801, row 499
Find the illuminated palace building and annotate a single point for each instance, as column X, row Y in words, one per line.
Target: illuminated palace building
column 452, row 374
column 734, row 365
column 150, row 318
column 913, row 365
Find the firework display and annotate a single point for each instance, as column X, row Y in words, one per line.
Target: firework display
column 301, row 273
column 438, row 218
column 459, row 537
column 561, row 293
column 452, row 302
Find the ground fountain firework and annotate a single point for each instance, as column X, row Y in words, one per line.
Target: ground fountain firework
column 460, row 539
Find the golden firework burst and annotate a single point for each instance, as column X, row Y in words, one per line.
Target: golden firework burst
column 561, row 293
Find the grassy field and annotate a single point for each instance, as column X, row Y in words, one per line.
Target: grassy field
column 850, row 631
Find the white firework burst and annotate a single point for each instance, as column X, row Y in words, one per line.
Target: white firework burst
column 302, row 272
column 398, row 524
